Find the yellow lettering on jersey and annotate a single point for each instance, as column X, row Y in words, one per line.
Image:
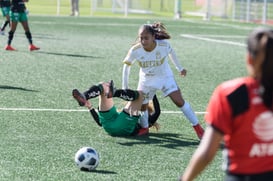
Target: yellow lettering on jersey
column 128, row 63
column 152, row 63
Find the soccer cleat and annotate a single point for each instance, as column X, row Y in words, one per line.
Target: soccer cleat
column 9, row 48
column 33, row 47
column 79, row 97
column 199, row 131
column 143, row 131
column 112, row 89
column 2, row 32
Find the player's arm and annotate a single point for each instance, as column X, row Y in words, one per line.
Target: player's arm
column 175, row 61
column 204, row 154
column 153, row 117
column 125, row 76
column 95, row 115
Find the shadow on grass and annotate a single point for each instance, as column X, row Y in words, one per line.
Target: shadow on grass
column 41, row 36
column 67, row 54
column 16, row 88
column 98, row 171
column 167, row 140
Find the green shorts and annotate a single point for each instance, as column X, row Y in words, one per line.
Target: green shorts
column 18, row 17
column 118, row 123
column 5, row 11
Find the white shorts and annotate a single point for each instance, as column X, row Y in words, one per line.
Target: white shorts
column 149, row 86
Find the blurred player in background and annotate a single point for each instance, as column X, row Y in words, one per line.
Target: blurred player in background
column 151, row 52
column 18, row 14
column 5, row 8
column 74, row 8
column 240, row 114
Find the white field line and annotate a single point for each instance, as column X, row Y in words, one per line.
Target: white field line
column 213, row 40
column 217, row 36
column 219, row 24
column 73, row 110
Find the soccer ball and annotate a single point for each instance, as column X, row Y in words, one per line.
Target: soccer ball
column 87, row 158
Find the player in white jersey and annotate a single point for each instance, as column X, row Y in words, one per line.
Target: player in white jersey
column 152, row 52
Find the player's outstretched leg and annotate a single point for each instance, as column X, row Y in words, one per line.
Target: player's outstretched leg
column 93, row 91
column 125, row 94
column 191, row 116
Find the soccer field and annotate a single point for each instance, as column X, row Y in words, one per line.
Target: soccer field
column 42, row 127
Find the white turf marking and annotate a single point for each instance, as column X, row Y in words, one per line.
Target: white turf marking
column 74, row 110
column 213, row 40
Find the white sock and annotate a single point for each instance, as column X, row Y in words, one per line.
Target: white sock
column 188, row 112
column 143, row 121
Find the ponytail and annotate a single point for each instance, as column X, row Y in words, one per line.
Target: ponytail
column 260, row 47
column 157, row 29
column 267, row 73
column 160, row 31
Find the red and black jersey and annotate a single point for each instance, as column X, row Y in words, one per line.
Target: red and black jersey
column 18, row 6
column 5, row 3
column 237, row 110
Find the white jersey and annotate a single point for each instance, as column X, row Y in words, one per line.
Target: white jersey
column 154, row 67
column 154, row 63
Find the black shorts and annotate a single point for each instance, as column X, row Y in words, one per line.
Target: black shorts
column 267, row 176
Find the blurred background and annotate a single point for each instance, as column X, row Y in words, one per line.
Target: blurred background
column 258, row 11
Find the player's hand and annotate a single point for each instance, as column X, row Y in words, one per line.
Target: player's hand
column 183, row 73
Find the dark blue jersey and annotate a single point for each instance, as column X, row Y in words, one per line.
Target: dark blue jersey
column 18, row 6
column 4, row 3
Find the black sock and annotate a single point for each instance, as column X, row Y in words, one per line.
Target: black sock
column 93, row 91
column 126, row 94
column 29, row 37
column 4, row 25
column 11, row 33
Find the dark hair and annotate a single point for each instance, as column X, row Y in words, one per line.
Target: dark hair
column 158, row 29
column 260, row 42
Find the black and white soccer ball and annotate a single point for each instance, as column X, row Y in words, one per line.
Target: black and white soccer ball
column 87, row 159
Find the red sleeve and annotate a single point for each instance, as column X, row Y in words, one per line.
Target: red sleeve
column 219, row 112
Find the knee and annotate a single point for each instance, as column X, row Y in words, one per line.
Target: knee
column 11, row 32
column 144, row 107
column 180, row 103
column 140, row 95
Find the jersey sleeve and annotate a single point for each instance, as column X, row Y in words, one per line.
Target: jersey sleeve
column 128, row 61
column 130, row 57
column 219, row 112
column 173, row 58
column 125, row 76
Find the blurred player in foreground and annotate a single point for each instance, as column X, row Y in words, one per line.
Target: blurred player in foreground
column 240, row 114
